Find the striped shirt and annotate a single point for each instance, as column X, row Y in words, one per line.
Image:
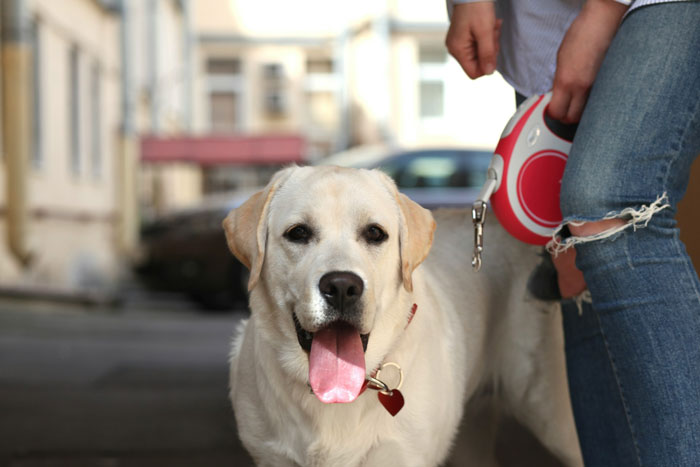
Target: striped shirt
column 541, row 24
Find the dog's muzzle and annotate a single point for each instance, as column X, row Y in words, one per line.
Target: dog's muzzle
column 342, row 292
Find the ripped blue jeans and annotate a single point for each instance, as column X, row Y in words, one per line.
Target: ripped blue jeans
column 633, row 354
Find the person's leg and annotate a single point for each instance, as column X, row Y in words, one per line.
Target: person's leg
column 634, row 357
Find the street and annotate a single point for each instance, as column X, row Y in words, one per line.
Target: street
column 82, row 386
column 145, row 384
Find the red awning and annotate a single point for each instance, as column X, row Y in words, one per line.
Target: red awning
column 221, row 150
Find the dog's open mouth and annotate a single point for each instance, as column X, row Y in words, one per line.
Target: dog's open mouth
column 336, row 361
column 306, row 338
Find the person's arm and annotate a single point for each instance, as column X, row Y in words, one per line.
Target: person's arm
column 580, row 55
column 472, row 38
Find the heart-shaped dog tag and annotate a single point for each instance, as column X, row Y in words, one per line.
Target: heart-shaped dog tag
column 392, row 401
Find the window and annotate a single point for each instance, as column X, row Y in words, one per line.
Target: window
column 225, row 88
column 273, row 72
column 432, row 60
column 432, row 53
column 37, row 147
column 74, row 110
column 322, row 100
column 223, row 108
column 275, row 103
column 96, row 120
column 321, row 65
column 274, row 97
column 432, row 99
column 223, row 66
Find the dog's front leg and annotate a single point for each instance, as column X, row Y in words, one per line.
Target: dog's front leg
column 538, row 394
column 382, row 455
column 280, row 462
column 270, row 454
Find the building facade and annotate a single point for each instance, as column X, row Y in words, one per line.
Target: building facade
column 58, row 177
column 75, row 97
column 341, row 74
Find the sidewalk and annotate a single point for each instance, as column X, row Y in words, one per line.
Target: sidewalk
column 113, row 387
column 144, row 386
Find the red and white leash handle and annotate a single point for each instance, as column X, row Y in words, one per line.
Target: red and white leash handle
column 524, row 177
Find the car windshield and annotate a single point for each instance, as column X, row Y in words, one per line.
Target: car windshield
column 438, row 169
column 429, row 172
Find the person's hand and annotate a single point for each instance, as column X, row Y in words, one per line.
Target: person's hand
column 473, row 37
column 580, row 55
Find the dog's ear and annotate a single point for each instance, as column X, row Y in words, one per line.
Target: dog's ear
column 415, row 237
column 246, row 227
column 416, row 230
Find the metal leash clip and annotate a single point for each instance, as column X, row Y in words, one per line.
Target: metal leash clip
column 479, row 209
column 379, row 385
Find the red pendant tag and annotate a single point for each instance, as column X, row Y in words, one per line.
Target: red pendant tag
column 392, row 402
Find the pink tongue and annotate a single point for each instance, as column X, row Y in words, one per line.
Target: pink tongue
column 337, row 364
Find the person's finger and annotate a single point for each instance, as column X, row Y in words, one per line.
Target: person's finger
column 559, row 104
column 461, row 45
column 487, row 49
column 576, row 106
column 467, row 58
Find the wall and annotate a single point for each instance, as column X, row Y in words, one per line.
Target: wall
column 72, row 207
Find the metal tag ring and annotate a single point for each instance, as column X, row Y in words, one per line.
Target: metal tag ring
column 395, row 365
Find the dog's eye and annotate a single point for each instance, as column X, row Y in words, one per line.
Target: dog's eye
column 374, row 234
column 298, row 233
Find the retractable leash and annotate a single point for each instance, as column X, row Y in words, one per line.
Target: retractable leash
column 523, row 180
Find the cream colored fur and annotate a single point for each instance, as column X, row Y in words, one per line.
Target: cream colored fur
column 471, row 330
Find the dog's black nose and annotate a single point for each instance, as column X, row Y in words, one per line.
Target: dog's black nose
column 341, row 289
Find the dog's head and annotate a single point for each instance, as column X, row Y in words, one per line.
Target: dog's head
column 331, row 254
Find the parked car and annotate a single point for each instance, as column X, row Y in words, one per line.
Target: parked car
column 186, row 251
column 438, row 177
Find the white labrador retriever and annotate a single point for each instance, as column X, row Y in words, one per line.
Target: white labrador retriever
column 336, row 294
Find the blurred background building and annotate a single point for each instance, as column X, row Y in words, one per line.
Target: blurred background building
column 116, row 111
column 60, row 178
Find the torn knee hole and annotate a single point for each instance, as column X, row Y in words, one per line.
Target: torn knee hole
column 611, row 224
column 595, row 227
